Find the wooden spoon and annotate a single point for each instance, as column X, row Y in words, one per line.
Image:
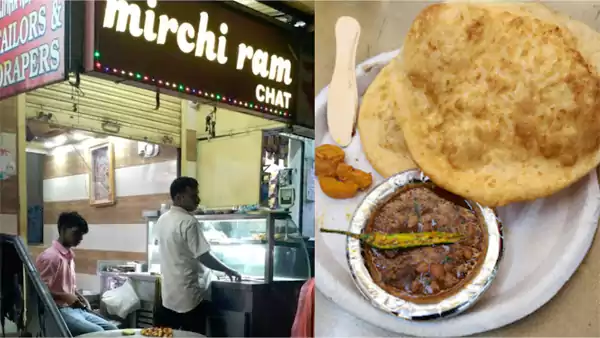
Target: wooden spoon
column 342, row 101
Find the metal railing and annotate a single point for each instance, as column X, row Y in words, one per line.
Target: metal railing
column 42, row 316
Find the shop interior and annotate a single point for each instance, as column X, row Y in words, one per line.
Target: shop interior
column 270, row 240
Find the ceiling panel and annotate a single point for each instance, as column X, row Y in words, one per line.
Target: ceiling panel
column 304, row 6
column 257, row 6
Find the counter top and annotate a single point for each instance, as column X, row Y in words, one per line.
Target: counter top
column 575, row 310
column 137, row 333
column 245, row 284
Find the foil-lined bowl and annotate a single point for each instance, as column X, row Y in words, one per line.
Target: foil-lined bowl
column 447, row 307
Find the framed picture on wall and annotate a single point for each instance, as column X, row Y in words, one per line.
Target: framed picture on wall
column 102, row 175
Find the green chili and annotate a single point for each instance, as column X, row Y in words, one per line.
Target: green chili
column 401, row 240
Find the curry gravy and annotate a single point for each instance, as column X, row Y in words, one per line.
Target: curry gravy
column 426, row 274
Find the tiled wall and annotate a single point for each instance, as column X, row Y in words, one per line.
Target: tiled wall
column 117, row 232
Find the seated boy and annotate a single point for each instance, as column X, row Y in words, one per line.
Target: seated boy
column 57, row 269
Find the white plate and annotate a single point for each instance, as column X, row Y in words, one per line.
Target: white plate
column 545, row 241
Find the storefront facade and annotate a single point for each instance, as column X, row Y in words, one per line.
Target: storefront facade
column 150, row 71
column 135, row 65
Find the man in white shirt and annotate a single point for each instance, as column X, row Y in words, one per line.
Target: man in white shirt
column 185, row 262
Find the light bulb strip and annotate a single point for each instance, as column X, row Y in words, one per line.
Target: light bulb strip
column 185, row 89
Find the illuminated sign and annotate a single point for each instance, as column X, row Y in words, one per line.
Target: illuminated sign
column 201, row 48
column 32, row 44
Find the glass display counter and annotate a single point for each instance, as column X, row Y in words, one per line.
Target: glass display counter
column 266, row 246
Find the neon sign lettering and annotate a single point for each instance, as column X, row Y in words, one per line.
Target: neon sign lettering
column 204, row 43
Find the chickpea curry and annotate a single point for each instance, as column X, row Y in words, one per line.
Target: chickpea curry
column 426, row 274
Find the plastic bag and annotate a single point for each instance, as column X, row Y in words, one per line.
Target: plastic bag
column 121, row 301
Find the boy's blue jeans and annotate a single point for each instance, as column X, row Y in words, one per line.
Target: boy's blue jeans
column 80, row 321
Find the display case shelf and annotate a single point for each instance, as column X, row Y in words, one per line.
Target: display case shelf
column 264, row 246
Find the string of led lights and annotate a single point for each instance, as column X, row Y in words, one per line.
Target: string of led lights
column 185, row 89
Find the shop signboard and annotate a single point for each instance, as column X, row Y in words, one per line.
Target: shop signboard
column 32, row 44
column 206, row 49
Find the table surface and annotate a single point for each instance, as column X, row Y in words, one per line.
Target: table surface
column 575, row 310
column 119, row 333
